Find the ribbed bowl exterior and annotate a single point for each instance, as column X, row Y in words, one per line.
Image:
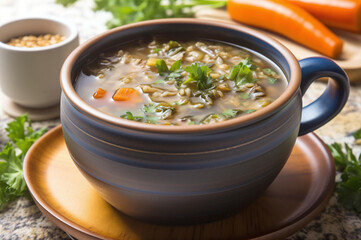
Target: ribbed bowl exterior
column 180, row 177
column 177, row 177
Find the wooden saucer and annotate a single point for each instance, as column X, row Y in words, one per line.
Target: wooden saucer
column 298, row 194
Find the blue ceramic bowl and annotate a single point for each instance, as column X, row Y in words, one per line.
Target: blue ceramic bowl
column 188, row 174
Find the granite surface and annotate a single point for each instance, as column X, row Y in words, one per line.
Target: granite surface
column 22, row 219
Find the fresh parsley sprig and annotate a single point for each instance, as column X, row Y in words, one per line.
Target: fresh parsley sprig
column 174, row 72
column 348, row 189
column 21, row 137
column 125, row 11
column 242, row 73
column 200, row 74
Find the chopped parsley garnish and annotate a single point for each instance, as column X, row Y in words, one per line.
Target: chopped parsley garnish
column 249, row 111
column 231, row 113
column 129, row 116
column 156, row 50
column 245, row 96
column 272, row 75
column 161, row 67
column 248, row 62
column 241, row 73
column 174, row 48
column 269, row 72
column 174, row 72
column 159, row 81
column 200, row 74
column 272, row 80
column 151, row 112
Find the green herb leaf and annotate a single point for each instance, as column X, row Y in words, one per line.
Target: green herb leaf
column 357, row 134
column 249, row 111
column 248, row 62
column 349, row 188
column 241, row 73
column 124, row 11
column 175, row 71
column 231, row 113
column 156, row 50
column 176, row 66
column 129, row 116
column 245, row 96
column 149, row 108
column 66, row 3
column 174, row 48
column 14, row 178
column 161, row 67
column 270, row 72
column 200, row 74
column 272, row 80
column 22, row 136
column 159, row 81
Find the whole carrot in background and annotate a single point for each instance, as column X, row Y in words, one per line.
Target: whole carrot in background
column 342, row 14
column 288, row 20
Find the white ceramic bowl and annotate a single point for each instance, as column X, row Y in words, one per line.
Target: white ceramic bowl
column 30, row 76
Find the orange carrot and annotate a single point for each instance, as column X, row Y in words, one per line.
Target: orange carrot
column 99, row 93
column 125, row 94
column 288, row 20
column 343, row 14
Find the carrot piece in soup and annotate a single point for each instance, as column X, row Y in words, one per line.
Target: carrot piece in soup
column 125, row 94
column 99, row 93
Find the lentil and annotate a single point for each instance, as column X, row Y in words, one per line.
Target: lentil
column 30, row 41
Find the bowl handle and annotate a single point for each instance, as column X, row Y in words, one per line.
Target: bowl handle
column 330, row 103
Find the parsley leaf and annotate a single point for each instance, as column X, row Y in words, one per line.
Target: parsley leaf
column 272, row 80
column 357, row 134
column 231, row 113
column 129, row 116
column 125, row 11
column 161, row 67
column 21, row 136
column 269, row 72
column 175, row 71
column 349, row 188
column 66, row 3
column 200, row 74
column 21, row 133
column 174, row 48
column 241, row 73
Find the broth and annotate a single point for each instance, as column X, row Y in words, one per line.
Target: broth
column 180, row 83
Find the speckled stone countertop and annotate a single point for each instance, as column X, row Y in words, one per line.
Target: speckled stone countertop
column 22, row 219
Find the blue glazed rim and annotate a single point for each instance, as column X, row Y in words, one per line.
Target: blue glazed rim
column 234, row 34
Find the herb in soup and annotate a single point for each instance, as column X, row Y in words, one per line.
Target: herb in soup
column 180, row 83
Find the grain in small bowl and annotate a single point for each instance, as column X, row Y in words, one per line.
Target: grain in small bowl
column 32, row 51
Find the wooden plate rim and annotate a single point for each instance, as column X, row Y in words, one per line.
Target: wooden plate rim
column 80, row 232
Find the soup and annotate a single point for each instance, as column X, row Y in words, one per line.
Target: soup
column 179, row 83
